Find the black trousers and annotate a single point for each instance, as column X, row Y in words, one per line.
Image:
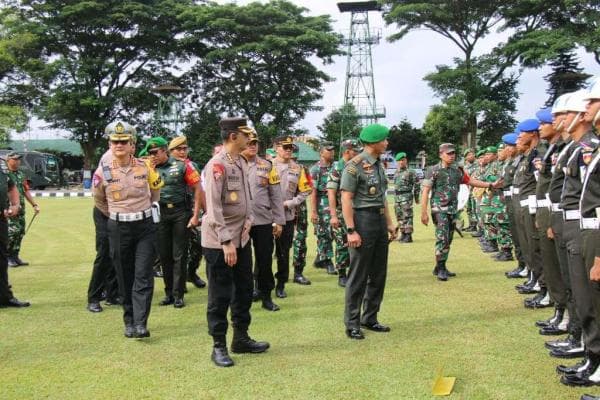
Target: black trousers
column 283, row 244
column 368, row 270
column 591, row 242
column 5, row 293
column 530, row 243
column 104, row 276
column 262, row 241
column 552, row 272
column 563, row 260
column 173, row 237
column 228, row 287
column 580, row 284
column 132, row 252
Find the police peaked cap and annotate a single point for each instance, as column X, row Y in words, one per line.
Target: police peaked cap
column 284, row 140
column 235, row 124
column 544, row 115
column 177, row 141
column 529, row 125
column 119, row 130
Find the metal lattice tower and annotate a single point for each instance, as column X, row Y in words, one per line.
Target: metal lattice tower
column 167, row 117
column 360, row 82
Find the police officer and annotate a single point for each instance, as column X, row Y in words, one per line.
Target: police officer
column 368, row 222
column 16, row 226
column 580, row 130
column 9, row 203
column 295, row 188
column 126, row 188
column 405, row 185
column 443, row 181
column 225, row 241
column 350, row 148
column 269, row 218
column 179, row 149
column 175, row 220
column 320, row 216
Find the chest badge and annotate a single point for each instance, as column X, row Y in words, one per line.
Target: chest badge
column 372, row 190
column 233, row 196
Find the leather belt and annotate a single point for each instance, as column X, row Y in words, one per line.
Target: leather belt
column 590, row 223
column 556, row 207
column 130, row 217
column 172, row 205
column 371, row 210
column 571, row 215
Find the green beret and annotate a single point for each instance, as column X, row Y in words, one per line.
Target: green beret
column 400, row 156
column 480, row 153
column 155, row 142
column 143, row 153
column 374, row 133
column 501, row 146
column 467, row 151
column 491, row 149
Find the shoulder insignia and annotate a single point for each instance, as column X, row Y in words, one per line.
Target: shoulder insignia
column 356, row 159
column 351, row 169
column 218, row 170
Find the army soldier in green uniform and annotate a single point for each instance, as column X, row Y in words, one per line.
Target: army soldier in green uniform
column 370, row 228
column 126, row 188
column 319, row 216
column 9, row 204
column 295, row 187
column 350, row 148
column 500, row 216
column 488, row 213
column 479, row 172
column 226, row 244
column 16, row 226
column 470, row 167
column 175, row 217
column 443, row 181
column 405, row 185
column 269, row 219
column 179, row 149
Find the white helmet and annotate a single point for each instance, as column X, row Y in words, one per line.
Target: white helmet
column 593, row 91
column 577, row 101
column 560, row 103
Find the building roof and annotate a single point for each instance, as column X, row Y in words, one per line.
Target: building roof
column 63, row 145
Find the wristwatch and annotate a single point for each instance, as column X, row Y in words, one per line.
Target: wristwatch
column 351, row 230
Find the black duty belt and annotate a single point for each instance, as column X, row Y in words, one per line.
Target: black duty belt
column 371, row 210
column 173, row 205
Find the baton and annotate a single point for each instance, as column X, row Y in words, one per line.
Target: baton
column 31, row 222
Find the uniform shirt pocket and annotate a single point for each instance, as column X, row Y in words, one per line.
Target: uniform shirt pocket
column 115, row 192
column 233, row 192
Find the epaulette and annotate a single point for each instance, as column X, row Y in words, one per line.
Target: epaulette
column 356, row 160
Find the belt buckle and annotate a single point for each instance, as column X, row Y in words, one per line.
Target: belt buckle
column 170, row 205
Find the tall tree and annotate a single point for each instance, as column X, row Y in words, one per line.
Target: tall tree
column 258, row 60
column 101, row 59
column 566, row 76
column 465, row 23
column 405, row 137
column 340, row 123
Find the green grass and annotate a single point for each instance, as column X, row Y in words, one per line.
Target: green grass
column 474, row 326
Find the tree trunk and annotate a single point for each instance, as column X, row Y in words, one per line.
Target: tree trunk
column 469, row 137
column 89, row 152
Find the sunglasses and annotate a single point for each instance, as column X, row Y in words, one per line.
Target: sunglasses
column 153, row 152
column 120, row 141
column 288, row 147
column 181, row 148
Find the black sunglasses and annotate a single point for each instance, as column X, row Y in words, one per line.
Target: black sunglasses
column 153, row 151
column 120, row 141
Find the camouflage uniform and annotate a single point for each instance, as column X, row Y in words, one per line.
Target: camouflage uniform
column 342, row 256
column 319, row 173
column 445, row 184
column 16, row 225
column 299, row 243
column 490, row 231
column 496, row 220
column 405, row 187
column 471, row 206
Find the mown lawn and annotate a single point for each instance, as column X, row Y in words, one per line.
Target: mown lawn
column 473, row 326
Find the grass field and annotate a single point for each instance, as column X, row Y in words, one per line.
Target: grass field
column 473, row 326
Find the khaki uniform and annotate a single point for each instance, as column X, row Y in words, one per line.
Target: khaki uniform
column 268, row 210
column 295, row 189
column 125, row 193
column 228, row 217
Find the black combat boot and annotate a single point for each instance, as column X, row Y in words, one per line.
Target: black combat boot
column 589, row 376
column 558, row 315
column 504, row 256
column 342, row 277
column 331, row 268
column 408, row 238
column 267, row 302
column 195, row 280
column 519, row 272
column 20, row 262
column 220, row 356
column 242, row 343
column 401, row 239
column 541, row 300
column 442, row 272
column 280, row 290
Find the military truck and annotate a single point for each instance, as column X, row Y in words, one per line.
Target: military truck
column 41, row 169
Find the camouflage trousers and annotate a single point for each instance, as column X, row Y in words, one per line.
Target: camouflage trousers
column 471, row 208
column 323, row 231
column 299, row 243
column 444, row 233
column 194, row 251
column 497, row 223
column 404, row 216
column 485, row 209
column 342, row 255
column 16, row 232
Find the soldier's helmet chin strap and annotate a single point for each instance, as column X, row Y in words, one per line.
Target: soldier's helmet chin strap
column 573, row 123
column 560, row 125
